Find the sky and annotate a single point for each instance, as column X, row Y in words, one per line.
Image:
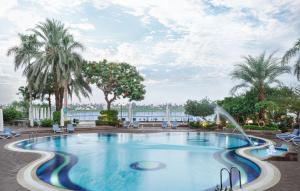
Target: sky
column 185, row 49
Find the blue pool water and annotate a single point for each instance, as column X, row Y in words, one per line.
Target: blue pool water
column 265, row 153
column 160, row 161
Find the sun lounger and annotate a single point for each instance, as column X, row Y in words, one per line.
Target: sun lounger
column 135, row 124
column 126, row 124
column 164, row 125
column 174, row 125
column 11, row 132
column 5, row 135
column 56, row 129
column 70, row 128
column 288, row 136
column 296, row 140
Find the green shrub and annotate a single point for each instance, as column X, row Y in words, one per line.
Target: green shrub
column 212, row 125
column 46, row 122
column 230, row 126
column 109, row 123
column 35, row 124
column 194, row 125
column 11, row 113
column 56, row 117
column 108, row 117
column 256, row 127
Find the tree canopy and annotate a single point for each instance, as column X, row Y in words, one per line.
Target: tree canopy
column 201, row 108
column 259, row 73
column 116, row 80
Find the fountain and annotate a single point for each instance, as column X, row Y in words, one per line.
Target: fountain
column 220, row 111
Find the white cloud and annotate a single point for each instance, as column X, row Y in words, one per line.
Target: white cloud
column 194, row 37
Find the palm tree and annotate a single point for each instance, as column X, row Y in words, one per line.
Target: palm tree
column 258, row 73
column 59, row 57
column 293, row 52
column 24, row 55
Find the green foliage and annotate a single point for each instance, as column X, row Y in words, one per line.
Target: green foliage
column 291, row 53
column 108, row 117
column 108, row 123
column 202, row 108
column 11, row 113
column 259, row 73
column 56, row 117
column 204, row 124
column 46, row 123
column 240, row 107
column 256, row 127
column 116, row 80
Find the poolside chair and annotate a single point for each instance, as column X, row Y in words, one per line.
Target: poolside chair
column 164, row 125
column 135, row 124
column 56, row 129
column 288, row 136
column 296, row 140
column 174, row 124
column 70, row 128
column 126, row 124
column 11, row 132
column 5, row 135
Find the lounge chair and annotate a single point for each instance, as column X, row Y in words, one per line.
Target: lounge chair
column 5, row 135
column 11, row 132
column 70, row 128
column 174, row 125
column 288, row 136
column 136, row 124
column 296, row 140
column 126, row 124
column 56, row 129
column 164, row 125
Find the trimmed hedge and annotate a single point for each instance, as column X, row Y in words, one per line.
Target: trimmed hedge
column 56, row 117
column 108, row 117
column 198, row 124
column 256, row 127
column 46, row 122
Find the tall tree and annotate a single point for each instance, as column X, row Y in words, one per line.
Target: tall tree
column 291, row 53
column 116, row 80
column 24, row 55
column 258, row 73
column 59, row 57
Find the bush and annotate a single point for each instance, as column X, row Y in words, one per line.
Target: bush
column 46, row 122
column 256, row 127
column 194, row 125
column 56, row 117
column 11, row 113
column 230, row 126
column 109, row 123
column 108, row 117
column 204, row 124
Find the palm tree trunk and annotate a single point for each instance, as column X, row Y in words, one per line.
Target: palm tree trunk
column 261, row 97
column 65, row 98
column 30, row 107
column 49, row 105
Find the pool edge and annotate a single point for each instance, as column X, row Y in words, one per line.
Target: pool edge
column 27, row 177
column 269, row 176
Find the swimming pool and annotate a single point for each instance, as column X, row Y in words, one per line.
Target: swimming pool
column 158, row 161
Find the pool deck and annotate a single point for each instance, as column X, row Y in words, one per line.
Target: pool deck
column 11, row 162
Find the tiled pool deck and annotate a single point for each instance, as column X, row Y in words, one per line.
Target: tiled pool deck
column 11, row 162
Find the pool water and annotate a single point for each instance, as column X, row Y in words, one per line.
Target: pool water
column 266, row 152
column 159, row 161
